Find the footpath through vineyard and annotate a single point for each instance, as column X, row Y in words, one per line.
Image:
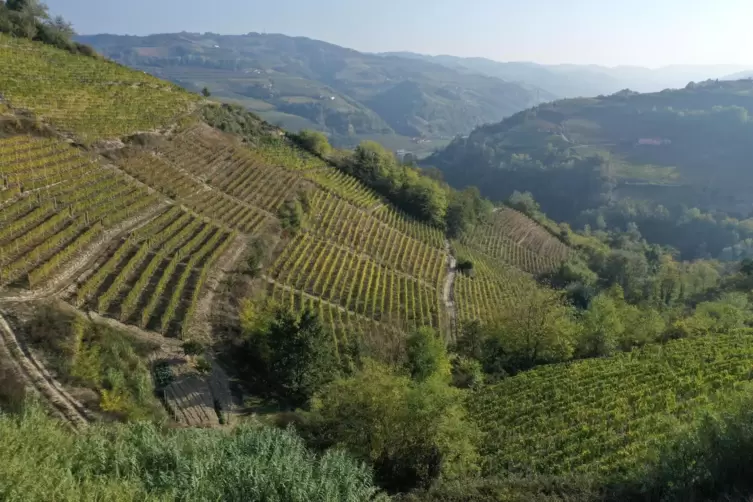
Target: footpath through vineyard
column 448, row 292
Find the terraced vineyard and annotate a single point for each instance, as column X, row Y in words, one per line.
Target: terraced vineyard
column 517, row 240
column 342, row 223
column 356, row 282
column 56, row 204
column 89, row 97
column 602, row 415
column 383, row 339
column 154, row 171
column 153, row 277
column 492, row 287
column 353, row 253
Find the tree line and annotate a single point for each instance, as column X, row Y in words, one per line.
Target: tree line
column 31, row 19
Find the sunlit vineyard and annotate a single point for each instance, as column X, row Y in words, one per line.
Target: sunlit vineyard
column 92, row 98
column 489, row 289
column 517, row 240
column 604, row 415
column 382, row 339
column 340, row 222
column 201, row 198
column 356, row 282
column 280, row 153
column 152, row 277
column 57, row 202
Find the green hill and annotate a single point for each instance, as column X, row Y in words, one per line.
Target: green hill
column 304, row 83
column 675, row 150
column 144, row 226
column 194, row 266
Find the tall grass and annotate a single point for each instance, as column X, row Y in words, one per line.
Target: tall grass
column 43, row 461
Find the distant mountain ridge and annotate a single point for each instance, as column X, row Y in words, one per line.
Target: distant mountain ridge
column 570, row 80
column 304, row 83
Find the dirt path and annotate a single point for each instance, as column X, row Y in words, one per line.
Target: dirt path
column 38, row 379
column 448, row 292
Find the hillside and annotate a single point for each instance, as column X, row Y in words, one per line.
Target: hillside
column 142, row 231
column 604, row 416
column 303, row 83
column 572, row 80
column 679, row 149
column 194, row 267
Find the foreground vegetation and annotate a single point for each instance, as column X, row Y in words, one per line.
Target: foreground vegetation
column 138, row 462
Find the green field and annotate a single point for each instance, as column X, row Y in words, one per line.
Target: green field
column 605, row 416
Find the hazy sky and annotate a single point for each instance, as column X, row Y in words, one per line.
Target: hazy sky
column 608, row 32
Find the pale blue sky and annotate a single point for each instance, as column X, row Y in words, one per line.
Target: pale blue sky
column 608, row 32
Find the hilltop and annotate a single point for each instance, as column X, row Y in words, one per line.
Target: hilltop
column 303, row 83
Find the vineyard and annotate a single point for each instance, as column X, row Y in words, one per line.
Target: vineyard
column 56, row 203
column 354, row 256
column 602, row 416
column 384, row 340
column 92, row 98
column 490, row 289
column 357, row 283
column 153, row 278
column 518, row 241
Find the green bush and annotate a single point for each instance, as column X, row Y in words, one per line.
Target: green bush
column 43, row 461
column 413, row 432
column 314, row 141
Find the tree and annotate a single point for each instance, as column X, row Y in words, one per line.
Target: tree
column 525, row 203
column 314, row 141
column 540, row 327
column 286, row 355
column 291, row 215
column 427, row 355
column 412, row 432
column 302, row 356
column 205, row 92
column 602, row 327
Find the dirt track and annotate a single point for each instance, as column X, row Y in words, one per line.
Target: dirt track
column 36, row 377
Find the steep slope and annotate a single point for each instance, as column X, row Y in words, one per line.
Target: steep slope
column 306, row 83
column 144, row 228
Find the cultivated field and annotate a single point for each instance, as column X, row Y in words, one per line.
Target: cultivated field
column 600, row 415
column 88, row 97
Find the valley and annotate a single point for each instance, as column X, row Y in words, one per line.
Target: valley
column 199, row 304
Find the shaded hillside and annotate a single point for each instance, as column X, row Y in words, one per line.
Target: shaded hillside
column 678, row 149
column 302, row 83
